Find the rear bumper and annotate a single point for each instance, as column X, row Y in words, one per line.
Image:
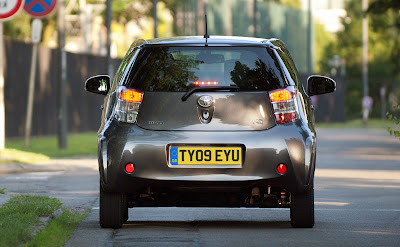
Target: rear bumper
column 121, row 143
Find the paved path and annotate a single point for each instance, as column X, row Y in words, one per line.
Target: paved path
column 357, row 201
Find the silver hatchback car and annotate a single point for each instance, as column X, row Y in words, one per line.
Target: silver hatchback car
column 213, row 122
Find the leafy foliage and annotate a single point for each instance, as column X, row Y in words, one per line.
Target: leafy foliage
column 395, row 119
column 391, row 8
column 124, row 11
column 383, row 57
column 379, row 7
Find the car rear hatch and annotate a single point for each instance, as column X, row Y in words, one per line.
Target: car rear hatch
column 204, row 88
column 228, row 111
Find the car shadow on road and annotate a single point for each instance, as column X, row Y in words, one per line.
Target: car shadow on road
column 208, row 224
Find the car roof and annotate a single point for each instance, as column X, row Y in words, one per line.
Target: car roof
column 211, row 41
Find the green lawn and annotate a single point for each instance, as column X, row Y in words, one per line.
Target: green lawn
column 20, row 214
column 358, row 124
column 19, row 219
column 44, row 148
column 77, row 144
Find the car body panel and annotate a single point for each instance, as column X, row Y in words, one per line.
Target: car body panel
column 228, row 116
column 264, row 151
column 228, row 112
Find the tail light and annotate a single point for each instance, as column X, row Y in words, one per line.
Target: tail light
column 128, row 103
column 285, row 105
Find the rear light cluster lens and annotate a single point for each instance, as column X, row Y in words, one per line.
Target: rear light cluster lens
column 128, row 103
column 131, row 96
column 285, row 105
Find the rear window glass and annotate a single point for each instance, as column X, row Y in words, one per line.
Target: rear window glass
column 161, row 68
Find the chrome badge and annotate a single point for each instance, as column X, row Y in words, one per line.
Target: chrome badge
column 205, row 101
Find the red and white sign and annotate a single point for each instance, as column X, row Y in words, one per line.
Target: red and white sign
column 8, row 8
column 39, row 8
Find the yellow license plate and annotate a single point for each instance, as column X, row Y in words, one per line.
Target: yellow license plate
column 206, row 156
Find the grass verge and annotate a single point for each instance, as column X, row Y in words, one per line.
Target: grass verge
column 58, row 231
column 20, row 214
column 358, row 124
column 19, row 219
column 44, row 148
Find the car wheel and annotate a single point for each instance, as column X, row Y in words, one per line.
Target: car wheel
column 302, row 209
column 113, row 209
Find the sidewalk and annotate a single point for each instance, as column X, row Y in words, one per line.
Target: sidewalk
column 52, row 165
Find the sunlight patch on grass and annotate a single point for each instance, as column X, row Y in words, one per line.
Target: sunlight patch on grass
column 77, row 145
column 13, row 155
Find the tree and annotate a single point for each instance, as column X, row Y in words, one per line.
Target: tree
column 392, row 7
column 384, row 55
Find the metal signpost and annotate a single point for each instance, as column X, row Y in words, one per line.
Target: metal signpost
column 36, row 36
column 8, row 9
column 36, row 9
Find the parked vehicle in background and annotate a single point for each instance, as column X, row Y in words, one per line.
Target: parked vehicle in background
column 213, row 122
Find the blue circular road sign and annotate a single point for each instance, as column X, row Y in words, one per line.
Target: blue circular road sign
column 39, row 8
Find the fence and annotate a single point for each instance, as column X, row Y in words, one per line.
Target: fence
column 83, row 108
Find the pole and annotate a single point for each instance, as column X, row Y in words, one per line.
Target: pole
column 110, row 68
column 31, row 90
column 62, row 98
column 365, row 59
column 309, row 39
column 36, row 37
column 2, row 111
column 155, row 18
column 255, row 17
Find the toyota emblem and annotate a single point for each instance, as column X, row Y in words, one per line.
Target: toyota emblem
column 205, row 101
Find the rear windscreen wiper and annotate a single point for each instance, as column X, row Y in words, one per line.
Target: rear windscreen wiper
column 209, row 89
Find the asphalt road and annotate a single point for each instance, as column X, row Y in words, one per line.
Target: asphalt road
column 357, row 203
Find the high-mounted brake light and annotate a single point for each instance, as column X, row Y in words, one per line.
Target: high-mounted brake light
column 285, row 105
column 205, row 83
column 128, row 103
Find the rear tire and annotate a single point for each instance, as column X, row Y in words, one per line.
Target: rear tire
column 302, row 209
column 113, row 209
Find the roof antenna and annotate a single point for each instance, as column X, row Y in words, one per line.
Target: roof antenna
column 206, row 36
